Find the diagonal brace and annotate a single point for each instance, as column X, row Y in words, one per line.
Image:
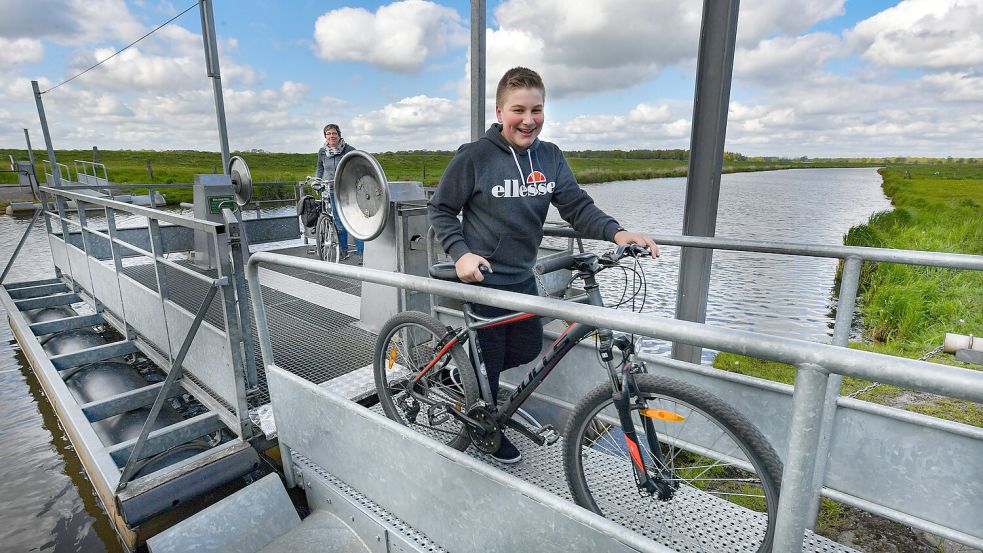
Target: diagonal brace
column 172, row 376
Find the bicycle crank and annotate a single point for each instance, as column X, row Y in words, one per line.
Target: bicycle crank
column 488, row 436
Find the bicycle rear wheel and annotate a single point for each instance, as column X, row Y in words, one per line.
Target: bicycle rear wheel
column 726, row 475
column 406, row 346
column 326, row 237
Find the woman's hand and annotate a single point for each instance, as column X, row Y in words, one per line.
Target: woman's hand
column 623, row 237
column 468, row 267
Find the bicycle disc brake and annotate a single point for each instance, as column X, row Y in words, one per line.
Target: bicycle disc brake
column 488, row 437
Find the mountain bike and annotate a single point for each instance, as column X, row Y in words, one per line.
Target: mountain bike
column 327, row 244
column 641, row 449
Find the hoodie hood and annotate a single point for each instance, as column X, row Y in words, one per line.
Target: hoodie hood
column 494, row 135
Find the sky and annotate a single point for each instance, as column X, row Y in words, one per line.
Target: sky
column 817, row 78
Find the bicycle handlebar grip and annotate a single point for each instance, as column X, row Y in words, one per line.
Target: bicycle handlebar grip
column 554, row 264
column 443, row 271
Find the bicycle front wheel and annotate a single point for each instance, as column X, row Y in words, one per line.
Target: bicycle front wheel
column 326, row 236
column 725, row 474
column 407, row 346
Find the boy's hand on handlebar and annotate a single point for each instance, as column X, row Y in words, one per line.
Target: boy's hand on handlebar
column 627, row 237
column 469, row 267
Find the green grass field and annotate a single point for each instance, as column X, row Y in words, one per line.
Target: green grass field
column 131, row 166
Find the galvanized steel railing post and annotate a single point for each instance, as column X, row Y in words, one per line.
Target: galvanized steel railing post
column 160, row 273
column 715, row 64
column 849, row 284
column 83, row 232
column 800, row 459
column 117, row 267
column 478, row 14
column 233, row 332
column 240, row 255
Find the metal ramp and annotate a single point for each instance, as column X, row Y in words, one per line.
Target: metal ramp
column 707, row 524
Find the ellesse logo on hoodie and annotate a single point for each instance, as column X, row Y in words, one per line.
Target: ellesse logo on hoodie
column 535, row 185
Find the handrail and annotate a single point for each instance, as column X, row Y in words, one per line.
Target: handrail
column 887, row 255
column 921, row 375
column 167, row 217
column 814, row 363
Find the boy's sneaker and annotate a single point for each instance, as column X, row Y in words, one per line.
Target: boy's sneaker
column 507, row 453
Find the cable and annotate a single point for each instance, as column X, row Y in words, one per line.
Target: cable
column 186, row 10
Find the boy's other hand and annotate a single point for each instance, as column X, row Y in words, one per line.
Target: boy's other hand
column 627, row 237
column 468, row 267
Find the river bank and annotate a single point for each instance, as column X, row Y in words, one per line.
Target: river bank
column 905, row 311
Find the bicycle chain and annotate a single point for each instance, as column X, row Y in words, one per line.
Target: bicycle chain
column 931, row 353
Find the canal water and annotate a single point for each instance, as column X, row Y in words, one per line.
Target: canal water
column 49, row 504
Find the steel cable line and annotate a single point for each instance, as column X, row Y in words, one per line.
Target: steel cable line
column 186, row 10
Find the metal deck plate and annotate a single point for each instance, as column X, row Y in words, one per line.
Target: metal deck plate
column 703, row 522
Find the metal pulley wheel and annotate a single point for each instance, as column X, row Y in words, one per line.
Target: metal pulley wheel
column 242, row 181
column 362, row 195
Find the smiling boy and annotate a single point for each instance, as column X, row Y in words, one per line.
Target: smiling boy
column 504, row 183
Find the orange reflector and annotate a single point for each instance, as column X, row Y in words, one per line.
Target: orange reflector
column 661, row 415
column 392, row 358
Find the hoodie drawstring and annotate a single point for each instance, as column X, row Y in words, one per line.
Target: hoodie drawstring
column 522, row 178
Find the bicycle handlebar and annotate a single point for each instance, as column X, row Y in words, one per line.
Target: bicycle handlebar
column 571, row 261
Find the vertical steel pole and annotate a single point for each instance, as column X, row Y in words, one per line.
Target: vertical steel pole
column 849, row 283
column 30, row 156
column 800, row 459
column 210, row 39
column 478, row 13
column 55, row 170
column 715, row 65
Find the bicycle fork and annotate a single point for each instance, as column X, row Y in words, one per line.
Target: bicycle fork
column 659, row 485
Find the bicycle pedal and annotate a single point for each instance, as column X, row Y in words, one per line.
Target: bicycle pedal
column 437, row 415
column 548, row 433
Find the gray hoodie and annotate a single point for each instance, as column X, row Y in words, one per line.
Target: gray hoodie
column 328, row 164
column 505, row 196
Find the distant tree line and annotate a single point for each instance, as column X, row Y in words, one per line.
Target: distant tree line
column 675, row 153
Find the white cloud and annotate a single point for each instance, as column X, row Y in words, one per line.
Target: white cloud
column 955, row 87
column 582, row 47
column 398, row 37
column 415, row 123
column 69, row 22
column 20, row 50
column 645, row 126
column 931, row 34
column 785, row 57
column 761, row 19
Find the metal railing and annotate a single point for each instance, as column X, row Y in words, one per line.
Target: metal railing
column 820, row 367
column 87, row 172
column 218, row 361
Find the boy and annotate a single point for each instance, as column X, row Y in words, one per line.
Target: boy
column 504, row 183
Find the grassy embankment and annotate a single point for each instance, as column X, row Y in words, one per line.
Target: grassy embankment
column 906, row 310
column 130, row 166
